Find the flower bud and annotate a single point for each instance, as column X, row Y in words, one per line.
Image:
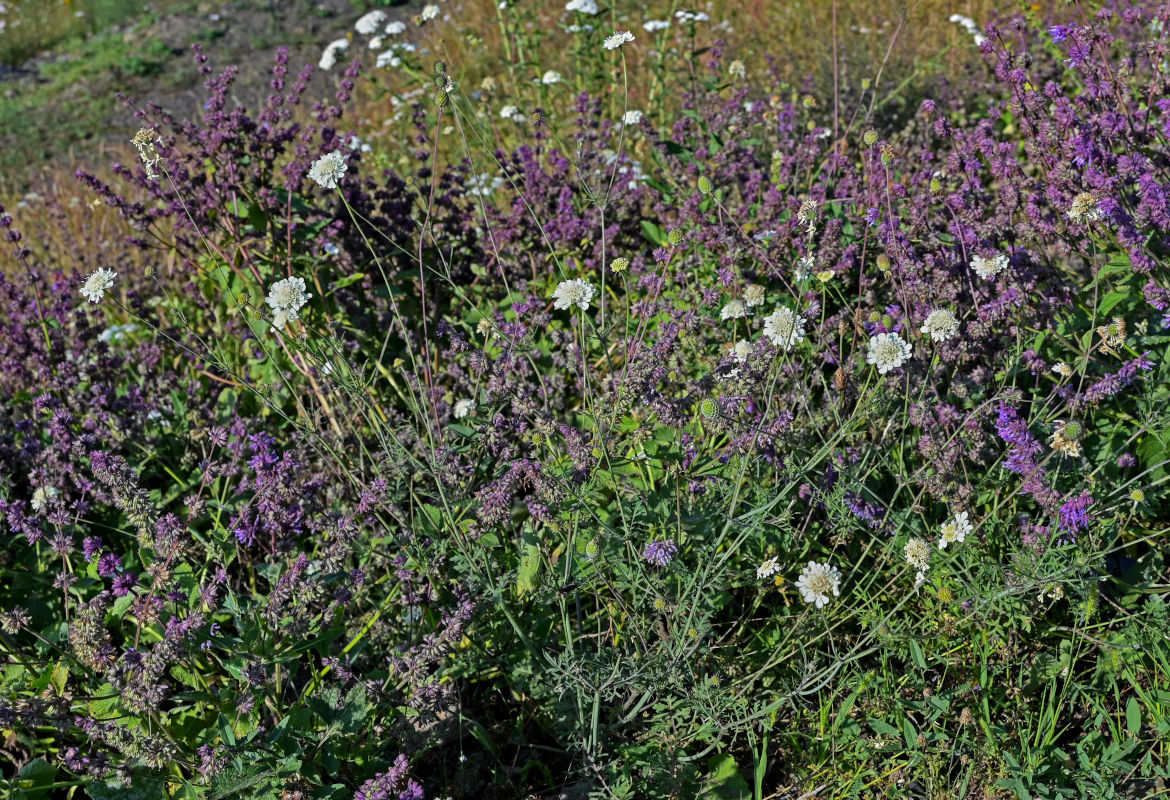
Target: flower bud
column 708, row 408
column 675, row 237
column 704, row 184
column 620, row 264
column 870, row 138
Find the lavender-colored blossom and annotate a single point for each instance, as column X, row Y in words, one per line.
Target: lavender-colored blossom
column 660, row 553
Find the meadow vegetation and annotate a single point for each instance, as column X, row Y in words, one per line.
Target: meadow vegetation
column 755, row 401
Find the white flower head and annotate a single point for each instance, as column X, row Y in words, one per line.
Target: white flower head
column 753, row 295
column 734, row 309
column 617, row 40
column 96, row 284
column 769, row 568
column 804, row 268
column 1062, row 369
column 987, row 267
column 784, row 328
column 550, row 77
column 684, row 16
column 328, row 169
column 741, row 350
column 286, row 297
column 917, row 552
column 429, row 12
column 654, row 25
column 42, row 496
column 368, row 24
column 632, row 117
column 819, row 583
column 583, row 7
column 464, row 408
column 888, row 351
column 394, row 28
column 955, row 530
column 573, row 293
column 919, row 579
column 941, row 324
column 329, row 55
column 387, row 58
column 511, row 112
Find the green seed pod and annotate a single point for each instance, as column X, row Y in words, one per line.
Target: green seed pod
column 675, row 237
column 887, row 155
column 887, row 320
column 538, row 438
column 620, row 264
column 708, row 408
column 592, row 549
column 704, row 184
column 935, row 186
column 440, row 98
column 874, row 316
column 1072, row 430
column 870, row 138
column 440, row 67
column 883, row 262
column 1138, row 496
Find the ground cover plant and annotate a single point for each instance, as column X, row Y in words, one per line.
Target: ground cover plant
column 639, row 420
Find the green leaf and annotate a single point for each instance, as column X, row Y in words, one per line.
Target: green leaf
column 1133, row 717
column 341, row 283
column 527, row 574
column 1109, row 301
column 59, row 677
column 726, row 782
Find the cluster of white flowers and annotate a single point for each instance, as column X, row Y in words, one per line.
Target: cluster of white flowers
column 684, row 16
column 888, row 351
column 368, row 24
column 328, row 169
column 394, row 28
column 917, row 552
column 655, row 25
column 512, row 113
column 769, row 568
column 429, row 12
column 987, row 267
column 819, row 583
column 941, row 324
column 573, row 293
column 741, row 350
column 332, row 50
column 753, row 295
column 784, row 328
column 483, row 185
column 96, row 284
column 955, row 530
column 116, row 333
column 1062, row 369
column 550, row 77
column 583, row 7
column 286, row 297
column 632, row 117
column 969, row 25
column 42, row 496
column 617, row 40
column 464, row 407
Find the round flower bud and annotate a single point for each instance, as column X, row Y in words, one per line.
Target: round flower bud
column 704, row 184
column 440, row 98
column 870, row 137
column 674, row 236
column 935, row 186
column 945, row 595
column 708, row 408
column 537, row 438
column 887, row 320
column 440, row 67
column 874, row 316
column 883, row 262
column 620, row 264
column 1072, row 430
column 887, row 155
column 592, row 549
column 1138, row 496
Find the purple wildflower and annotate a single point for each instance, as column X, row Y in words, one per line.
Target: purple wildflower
column 660, row 553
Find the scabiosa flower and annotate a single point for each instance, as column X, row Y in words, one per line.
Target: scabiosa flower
column 329, row 55
column 328, row 169
column 660, row 553
column 573, row 293
column 42, row 496
column 734, row 309
column 955, row 530
column 817, row 582
column 96, row 284
column 769, row 568
column 917, row 553
column 753, row 295
column 1084, row 208
column 1067, row 438
column 941, row 324
column 429, row 12
column 464, row 408
column 888, row 351
column 655, row 25
column 550, row 77
column 617, row 40
column 632, row 117
column 1062, row 369
column 987, row 267
column 511, row 112
column 395, row 27
column 784, row 328
column 286, row 298
column 741, row 350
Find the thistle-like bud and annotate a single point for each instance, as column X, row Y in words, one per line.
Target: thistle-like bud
column 887, row 155
column 883, row 262
column 674, row 237
column 620, row 264
column 708, row 408
column 870, row 138
column 1138, row 496
column 935, row 186
column 440, row 67
column 440, row 98
column 704, row 184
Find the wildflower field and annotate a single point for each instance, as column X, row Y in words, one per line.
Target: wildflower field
column 759, row 400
